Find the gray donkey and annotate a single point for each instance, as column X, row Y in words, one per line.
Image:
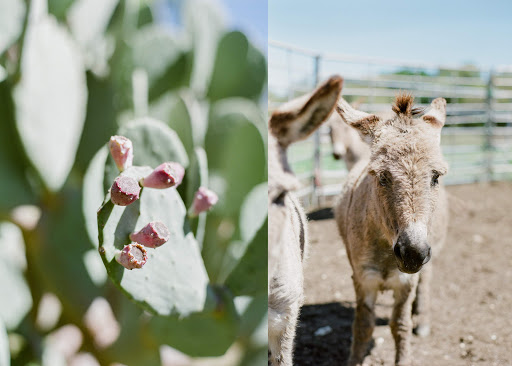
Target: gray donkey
column 287, row 233
column 392, row 216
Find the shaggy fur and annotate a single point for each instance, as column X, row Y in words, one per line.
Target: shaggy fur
column 404, row 105
column 287, row 236
column 393, row 194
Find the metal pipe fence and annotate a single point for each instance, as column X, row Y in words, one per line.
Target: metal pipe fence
column 476, row 139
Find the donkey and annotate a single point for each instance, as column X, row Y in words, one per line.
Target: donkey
column 287, row 234
column 392, row 216
column 346, row 143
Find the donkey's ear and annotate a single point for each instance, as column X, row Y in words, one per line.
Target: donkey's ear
column 298, row 118
column 436, row 116
column 365, row 123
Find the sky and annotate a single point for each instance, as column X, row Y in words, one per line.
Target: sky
column 452, row 32
column 248, row 16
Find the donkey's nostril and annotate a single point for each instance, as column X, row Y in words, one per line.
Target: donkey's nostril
column 336, row 156
column 397, row 252
column 428, row 256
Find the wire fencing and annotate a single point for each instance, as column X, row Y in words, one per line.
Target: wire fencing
column 476, row 139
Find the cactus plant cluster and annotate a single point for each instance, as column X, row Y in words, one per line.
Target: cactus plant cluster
column 110, row 151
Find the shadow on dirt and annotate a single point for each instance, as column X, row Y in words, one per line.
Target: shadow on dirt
column 332, row 348
column 321, row 214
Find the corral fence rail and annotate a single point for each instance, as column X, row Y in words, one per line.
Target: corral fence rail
column 477, row 137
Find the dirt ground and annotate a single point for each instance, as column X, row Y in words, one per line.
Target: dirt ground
column 471, row 291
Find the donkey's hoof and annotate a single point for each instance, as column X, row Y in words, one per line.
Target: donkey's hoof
column 422, row 330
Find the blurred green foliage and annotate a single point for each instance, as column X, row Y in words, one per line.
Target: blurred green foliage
column 75, row 72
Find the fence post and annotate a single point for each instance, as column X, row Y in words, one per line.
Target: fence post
column 316, row 155
column 489, row 148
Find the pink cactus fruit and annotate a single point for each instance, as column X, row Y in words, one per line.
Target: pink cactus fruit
column 121, row 149
column 132, row 256
column 179, row 171
column 152, row 235
column 204, row 199
column 165, row 175
column 124, row 191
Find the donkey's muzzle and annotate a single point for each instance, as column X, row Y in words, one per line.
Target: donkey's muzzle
column 411, row 256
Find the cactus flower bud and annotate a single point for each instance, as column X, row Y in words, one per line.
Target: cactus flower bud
column 121, row 150
column 164, row 176
column 132, row 256
column 124, row 191
column 203, row 201
column 152, row 235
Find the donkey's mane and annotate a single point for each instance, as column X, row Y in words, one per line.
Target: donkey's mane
column 404, row 105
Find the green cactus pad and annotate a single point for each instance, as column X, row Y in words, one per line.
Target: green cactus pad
column 240, row 69
column 209, row 333
column 165, row 58
column 240, row 158
column 50, row 123
column 205, row 22
column 100, row 121
column 158, row 51
column 253, row 212
column 188, row 118
column 250, row 274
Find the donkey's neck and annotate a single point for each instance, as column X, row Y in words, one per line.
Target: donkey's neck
column 281, row 177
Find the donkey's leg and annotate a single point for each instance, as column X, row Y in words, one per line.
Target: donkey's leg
column 274, row 347
column 421, row 305
column 364, row 323
column 289, row 336
column 276, row 328
column 401, row 322
column 275, row 341
column 281, row 342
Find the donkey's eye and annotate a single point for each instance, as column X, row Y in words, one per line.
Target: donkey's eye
column 435, row 179
column 384, row 179
column 279, row 200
